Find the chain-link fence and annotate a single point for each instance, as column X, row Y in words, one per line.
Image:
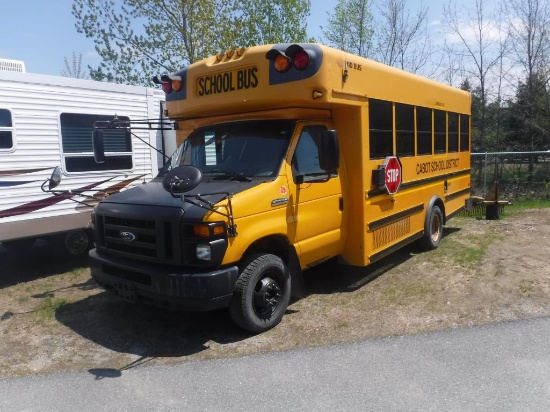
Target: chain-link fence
column 520, row 175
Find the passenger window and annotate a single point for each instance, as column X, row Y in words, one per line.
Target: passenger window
column 453, row 132
column 424, row 130
column 6, row 129
column 380, row 128
column 404, row 129
column 305, row 161
column 464, row 132
column 440, row 131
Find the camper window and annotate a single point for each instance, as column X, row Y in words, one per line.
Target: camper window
column 76, row 136
column 6, row 129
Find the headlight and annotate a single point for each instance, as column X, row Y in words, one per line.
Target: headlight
column 204, row 252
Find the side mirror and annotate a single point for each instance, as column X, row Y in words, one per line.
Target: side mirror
column 329, row 151
column 181, row 180
column 55, row 178
column 97, row 144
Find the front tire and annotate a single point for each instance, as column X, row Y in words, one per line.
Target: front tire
column 433, row 232
column 262, row 293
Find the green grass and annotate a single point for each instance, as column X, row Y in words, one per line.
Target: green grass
column 520, row 205
column 47, row 309
column 467, row 249
column 473, row 255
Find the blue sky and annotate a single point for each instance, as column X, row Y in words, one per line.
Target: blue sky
column 42, row 33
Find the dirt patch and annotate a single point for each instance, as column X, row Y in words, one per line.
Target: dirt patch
column 57, row 319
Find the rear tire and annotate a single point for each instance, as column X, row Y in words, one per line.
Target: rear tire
column 433, row 232
column 262, row 293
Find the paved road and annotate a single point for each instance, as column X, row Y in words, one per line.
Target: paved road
column 502, row 367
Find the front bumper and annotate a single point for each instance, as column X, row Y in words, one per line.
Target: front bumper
column 166, row 287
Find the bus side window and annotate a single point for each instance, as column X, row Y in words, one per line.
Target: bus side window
column 306, row 156
column 464, row 133
column 380, row 128
column 404, row 129
column 440, row 131
column 424, row 131
column 453, row 132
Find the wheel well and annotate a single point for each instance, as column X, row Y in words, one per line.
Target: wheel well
column 276, row 245
column 279, row 245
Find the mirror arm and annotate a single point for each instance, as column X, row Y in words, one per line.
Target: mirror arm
column 150, row 145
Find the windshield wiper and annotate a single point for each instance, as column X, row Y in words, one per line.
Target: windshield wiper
column 230, row 175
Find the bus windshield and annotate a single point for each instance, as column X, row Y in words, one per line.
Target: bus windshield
column 236, row 150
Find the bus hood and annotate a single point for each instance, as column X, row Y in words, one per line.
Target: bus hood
column 154, row 194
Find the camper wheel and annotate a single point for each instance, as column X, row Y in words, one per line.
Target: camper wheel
column 261, row 294
column 74, row 243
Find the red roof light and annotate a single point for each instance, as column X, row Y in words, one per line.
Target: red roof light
column 301, row 60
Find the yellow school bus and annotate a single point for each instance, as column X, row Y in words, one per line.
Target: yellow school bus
column 290, row 154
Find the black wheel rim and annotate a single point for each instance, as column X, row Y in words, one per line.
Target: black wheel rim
column 267, row 296
column 76, row 242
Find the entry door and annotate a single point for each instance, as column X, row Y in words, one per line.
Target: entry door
column 316, row 206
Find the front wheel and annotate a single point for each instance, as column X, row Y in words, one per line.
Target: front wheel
column 262, row 293
column 433, row 232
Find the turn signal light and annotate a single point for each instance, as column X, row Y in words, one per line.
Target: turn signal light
column 209, row 229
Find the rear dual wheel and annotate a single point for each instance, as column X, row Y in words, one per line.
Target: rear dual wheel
column 262, row 293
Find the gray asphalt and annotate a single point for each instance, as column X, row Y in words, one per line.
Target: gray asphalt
column 504, row 367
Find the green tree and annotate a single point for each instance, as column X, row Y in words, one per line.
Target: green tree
column 350, row 28
column 74, row 68
column 137, row 39
column 530, row 116
column 531, row 44
column 275, row 21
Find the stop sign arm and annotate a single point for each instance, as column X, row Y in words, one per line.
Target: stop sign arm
column 388, row 176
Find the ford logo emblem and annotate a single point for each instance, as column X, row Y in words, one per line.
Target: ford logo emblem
column 127, row 236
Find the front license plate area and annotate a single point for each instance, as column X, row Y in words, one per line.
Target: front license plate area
column 125, row 291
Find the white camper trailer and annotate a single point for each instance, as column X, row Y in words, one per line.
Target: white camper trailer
column 47, row 121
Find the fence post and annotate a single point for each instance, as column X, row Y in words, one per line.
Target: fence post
column 485, row 176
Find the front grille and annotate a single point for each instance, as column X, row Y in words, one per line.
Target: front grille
column 141, row 239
